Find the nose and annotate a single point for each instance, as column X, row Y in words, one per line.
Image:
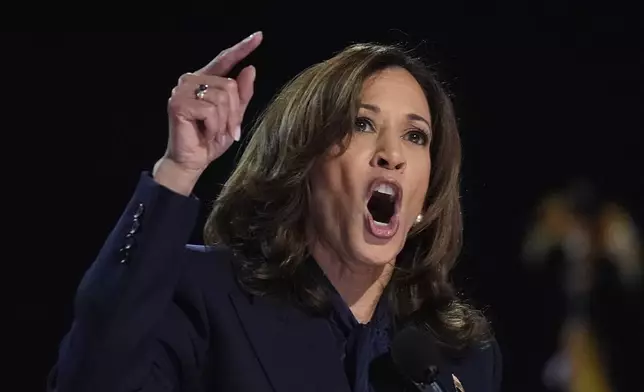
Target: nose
column 389, row 155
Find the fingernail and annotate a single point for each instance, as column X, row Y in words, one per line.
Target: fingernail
column 237, row 133
column 249, row 37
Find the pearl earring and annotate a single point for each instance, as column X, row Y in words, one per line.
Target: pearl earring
column 419, row 218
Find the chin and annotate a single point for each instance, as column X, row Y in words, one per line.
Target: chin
column 376, row 252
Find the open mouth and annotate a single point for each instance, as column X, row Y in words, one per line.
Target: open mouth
column 383, row 206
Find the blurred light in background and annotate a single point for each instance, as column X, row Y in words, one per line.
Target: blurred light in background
column 581, row 233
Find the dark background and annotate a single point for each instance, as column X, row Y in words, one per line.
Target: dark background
column 544, row 95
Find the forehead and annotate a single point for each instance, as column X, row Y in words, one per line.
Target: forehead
column 395, row 88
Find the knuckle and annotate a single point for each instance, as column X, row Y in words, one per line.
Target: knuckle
column 174, row 104
column 223, row 53
column 220, row 98
column 230, row 85
column 185, row 77
column 177, row 104
column 211, row 111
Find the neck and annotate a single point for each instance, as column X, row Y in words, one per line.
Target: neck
column 360, row 285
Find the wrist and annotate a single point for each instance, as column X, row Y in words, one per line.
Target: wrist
column 180, row 180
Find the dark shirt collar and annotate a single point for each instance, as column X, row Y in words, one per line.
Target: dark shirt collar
column 358, row 344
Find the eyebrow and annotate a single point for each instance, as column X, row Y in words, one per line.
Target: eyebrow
column 410, row 116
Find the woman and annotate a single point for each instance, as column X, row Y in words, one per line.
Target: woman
column 340, row 223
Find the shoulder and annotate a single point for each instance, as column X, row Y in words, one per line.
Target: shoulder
column 209, row 269
column 479, row 367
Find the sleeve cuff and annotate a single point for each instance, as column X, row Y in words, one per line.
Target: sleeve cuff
column 141, row 258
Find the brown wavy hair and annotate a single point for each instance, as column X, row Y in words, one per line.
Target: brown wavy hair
column 262, row 210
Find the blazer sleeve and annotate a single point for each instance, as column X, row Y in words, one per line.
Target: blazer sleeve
column 132, row 330
column 497, row 367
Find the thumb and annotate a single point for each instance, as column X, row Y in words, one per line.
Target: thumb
column 245, row 86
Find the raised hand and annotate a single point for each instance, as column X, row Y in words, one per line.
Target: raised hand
column 205, row 114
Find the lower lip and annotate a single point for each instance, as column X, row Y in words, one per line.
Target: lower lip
column 382, row 231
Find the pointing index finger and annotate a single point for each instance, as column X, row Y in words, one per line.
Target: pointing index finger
column 228, row 58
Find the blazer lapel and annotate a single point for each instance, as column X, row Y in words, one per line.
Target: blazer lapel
column 296, row 351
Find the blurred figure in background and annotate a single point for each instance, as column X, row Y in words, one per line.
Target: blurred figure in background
column 600, row 252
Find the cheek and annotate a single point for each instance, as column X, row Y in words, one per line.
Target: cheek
column 418, row 201
column 340, row 180
column 341, row 174
column 327, row 185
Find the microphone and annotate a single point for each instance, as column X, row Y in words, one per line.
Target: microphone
column 417, row 359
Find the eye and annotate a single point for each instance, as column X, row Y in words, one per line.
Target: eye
column 417, row 136
column 363, row 124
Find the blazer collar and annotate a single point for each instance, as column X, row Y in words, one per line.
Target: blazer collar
column 295, row 350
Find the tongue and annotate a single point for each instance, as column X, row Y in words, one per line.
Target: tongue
column 381, row 207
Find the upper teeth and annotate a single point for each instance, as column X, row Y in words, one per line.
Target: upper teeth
column 386, row 188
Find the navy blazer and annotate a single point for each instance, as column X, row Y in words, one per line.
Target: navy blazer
column 152, row 314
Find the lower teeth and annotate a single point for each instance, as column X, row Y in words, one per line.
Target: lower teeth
column 380, row 223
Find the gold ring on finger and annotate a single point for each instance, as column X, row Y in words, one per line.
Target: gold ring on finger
column 200, row 92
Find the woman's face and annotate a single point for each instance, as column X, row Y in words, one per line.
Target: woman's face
column 365, row 201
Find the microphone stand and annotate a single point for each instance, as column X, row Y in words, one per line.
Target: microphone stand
column 431, row 384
